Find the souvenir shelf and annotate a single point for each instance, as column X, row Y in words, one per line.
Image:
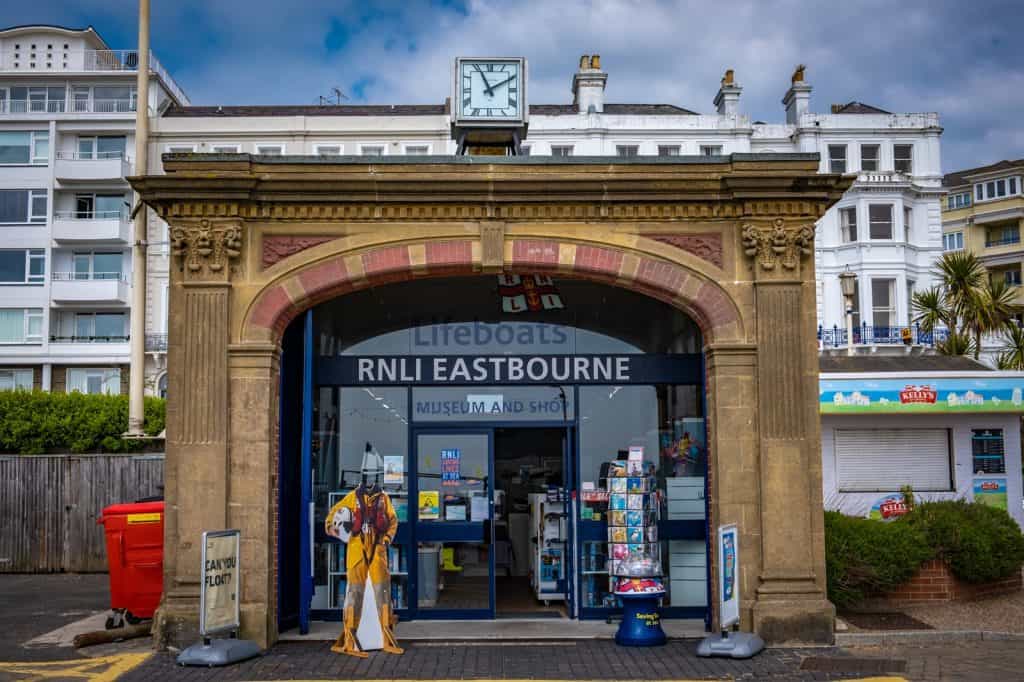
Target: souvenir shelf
column 398, row 561
column 633, row 511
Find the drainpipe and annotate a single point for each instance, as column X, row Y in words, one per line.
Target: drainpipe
column 137, row 372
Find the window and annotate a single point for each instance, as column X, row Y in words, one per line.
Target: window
column 37, row 99
column 103, row 147
column 848, row 224
column 856, row 305
column 270, row 149
column 102, row 327
column 627, row 150
column 88, row 265
column 80, row 99
column 954, row 241
column 869, row 157
column 562, row 150
column 93, row 381
column 21, row 325
column 371, row 150
column 225, row 149
column 21, row 206
column 908, row 221
column 1011, row 277
column 100, row 206
column 903, row 158
column 997, row 189
column 417, row 150
column 883, row 305
column 22, row 266
column 180, row 148
column 987, row 451
column 16, row 379
column 327, row 149
column 880, row 221
column 1002, row 236
column 837, row 158
column 711, row 150
column 959, row 200
column 113, row 99
column 24, row 147
column 885, row 460
column 668, row 150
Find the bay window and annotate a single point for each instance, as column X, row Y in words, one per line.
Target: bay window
column 903, row 158
column 883, row 304
column 848, row 224
column 880, row 221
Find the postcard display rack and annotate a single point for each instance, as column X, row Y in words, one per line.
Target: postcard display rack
column 398, row 559
column 634, row 554
column 549, row 520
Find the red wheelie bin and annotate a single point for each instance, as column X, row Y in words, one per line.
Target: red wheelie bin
column 135, row 559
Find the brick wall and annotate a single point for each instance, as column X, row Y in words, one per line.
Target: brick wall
column 935, row 583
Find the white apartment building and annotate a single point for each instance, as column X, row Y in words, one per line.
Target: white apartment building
column 67, row 116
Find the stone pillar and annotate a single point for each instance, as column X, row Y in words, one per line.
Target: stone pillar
column 733, row 482
column 253, row 465
column 791, row 604
column 196, row 464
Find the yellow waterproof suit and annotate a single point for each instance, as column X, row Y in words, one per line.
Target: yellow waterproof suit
column 374, row 524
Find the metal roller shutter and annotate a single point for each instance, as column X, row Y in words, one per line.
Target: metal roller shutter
column 884, row 460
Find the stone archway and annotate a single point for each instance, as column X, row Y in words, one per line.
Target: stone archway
column 259, row 240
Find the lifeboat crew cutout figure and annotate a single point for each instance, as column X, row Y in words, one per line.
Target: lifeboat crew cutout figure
column 366, row 520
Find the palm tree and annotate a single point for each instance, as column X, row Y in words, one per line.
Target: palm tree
column 992, row 307
column 1011, row 355
column 967, row 302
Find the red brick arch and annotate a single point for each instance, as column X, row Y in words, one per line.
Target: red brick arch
column 711, row 307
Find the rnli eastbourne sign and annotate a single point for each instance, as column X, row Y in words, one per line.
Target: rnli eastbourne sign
column 462, row 370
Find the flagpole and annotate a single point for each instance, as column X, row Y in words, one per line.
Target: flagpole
column 137, row 368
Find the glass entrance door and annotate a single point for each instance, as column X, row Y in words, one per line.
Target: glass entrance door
column 453, row 530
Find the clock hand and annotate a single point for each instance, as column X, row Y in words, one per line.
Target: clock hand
column 498, row 85
column 487, row 86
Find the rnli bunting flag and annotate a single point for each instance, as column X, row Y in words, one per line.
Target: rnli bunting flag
column 522, row 293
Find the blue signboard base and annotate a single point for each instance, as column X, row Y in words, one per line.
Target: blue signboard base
column 641, row 621
column 734, row 645
column 217, row 652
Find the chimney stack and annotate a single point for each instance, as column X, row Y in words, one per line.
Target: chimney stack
column 798, row 98
column 588, row 85
column 727, row 101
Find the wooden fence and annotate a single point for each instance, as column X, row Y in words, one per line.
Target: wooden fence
column 49, row 505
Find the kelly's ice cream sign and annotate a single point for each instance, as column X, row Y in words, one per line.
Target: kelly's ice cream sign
column 902, row 396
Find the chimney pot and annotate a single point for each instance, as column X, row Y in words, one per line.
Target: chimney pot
column 836, row 108
column 584, row 61
column 798, row 98
column 595, row 62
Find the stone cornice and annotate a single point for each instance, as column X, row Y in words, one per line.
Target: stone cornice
column 453, row 188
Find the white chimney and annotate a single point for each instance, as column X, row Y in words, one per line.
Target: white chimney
column 798, row 98
column 727, row 101
column 588, row 85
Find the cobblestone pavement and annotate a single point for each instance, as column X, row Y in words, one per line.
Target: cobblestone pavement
column 578, row 660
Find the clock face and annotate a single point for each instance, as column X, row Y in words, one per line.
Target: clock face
column 490, row 89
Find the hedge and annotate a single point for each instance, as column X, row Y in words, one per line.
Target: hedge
column 865, row 557
column 979, row 543
column 35, row 422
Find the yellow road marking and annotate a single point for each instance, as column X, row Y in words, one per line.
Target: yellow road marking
column 100, row 669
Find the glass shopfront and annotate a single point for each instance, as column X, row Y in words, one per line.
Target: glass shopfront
column 495, row 415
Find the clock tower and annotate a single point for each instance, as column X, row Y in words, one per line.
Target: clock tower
column 489, row 110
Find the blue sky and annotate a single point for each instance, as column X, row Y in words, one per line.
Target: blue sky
column 962, row 60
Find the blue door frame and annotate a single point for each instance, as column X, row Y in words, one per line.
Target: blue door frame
column 449, row 531
column 306, row 501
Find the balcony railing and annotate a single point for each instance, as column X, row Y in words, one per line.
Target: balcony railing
column 1005, row 241
column 96, row 106
column 882, row 177
column 911, row 335
column 156, row 343
column 94, row 156
column 89, row 339
column 89, row 277
column 90, row 215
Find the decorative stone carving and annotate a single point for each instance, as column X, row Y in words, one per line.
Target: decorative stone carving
column 705, row 245
column 206, row 247
column 778, row 244
column 279, row 247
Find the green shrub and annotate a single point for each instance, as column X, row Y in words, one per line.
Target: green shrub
column 34, row 422
column 864, row 556
column 979, row 543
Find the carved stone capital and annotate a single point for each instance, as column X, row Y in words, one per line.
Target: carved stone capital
column 780, row 244
column 206, row 249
